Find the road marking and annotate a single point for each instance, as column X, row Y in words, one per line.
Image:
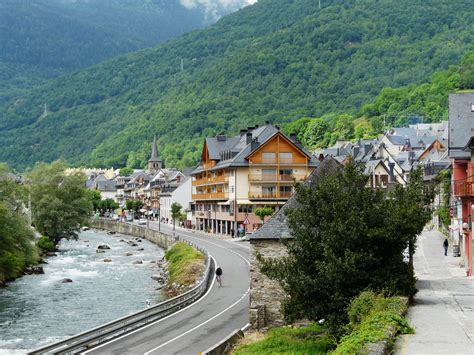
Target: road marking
column 200, row 325
column 159, row 320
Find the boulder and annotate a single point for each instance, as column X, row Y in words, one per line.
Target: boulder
column 128, row 254
column 137, row 262
column 66, row 280
column 107, row 260
column 85, row 228
column 158, row 278
column 111, row 232
column 152, row 262
column 50, row 253
column 122, row 240
column 134, row 244
column 37, row 270
column 140, row 249
column 100, row 251
column 103, row 246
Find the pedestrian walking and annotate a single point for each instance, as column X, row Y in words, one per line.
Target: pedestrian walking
column 445, row 245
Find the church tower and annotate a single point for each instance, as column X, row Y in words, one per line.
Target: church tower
column 154, row 163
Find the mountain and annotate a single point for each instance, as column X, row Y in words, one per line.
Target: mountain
column 42, row 39
column 276, row 60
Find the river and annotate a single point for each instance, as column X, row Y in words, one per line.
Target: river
column 38, row 309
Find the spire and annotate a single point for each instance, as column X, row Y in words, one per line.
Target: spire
column 154, row 154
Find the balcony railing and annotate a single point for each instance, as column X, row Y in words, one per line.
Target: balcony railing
column 259, row 195
column 220, row 179
column 463, row 189
column 211, row 196
column 275, row 178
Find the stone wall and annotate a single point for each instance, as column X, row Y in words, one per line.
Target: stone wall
column 163, row 241
column 265, row 294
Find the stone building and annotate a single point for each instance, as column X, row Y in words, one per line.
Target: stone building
column 266, row 295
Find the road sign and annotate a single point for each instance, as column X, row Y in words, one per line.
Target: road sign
column 246, row 220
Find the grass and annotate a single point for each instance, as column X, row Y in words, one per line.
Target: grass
column 311, row 339
column 373, row 318
column 185, row 264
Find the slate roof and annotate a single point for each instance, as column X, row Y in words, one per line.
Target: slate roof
column 238, row 149
column 277, row 226
column 154, row 153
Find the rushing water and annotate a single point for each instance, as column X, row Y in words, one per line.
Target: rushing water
column 39, row 309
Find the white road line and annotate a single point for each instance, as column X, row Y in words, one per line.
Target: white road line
column 199, row 325
column 158, row 321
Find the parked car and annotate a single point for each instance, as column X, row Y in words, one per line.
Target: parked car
column 142, row 221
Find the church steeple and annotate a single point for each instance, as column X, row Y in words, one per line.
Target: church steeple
column 154, row 163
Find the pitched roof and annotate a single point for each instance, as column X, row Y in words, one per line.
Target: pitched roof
column 234, row 151
column 277, row 226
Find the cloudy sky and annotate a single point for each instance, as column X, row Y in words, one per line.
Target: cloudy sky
column 214, row 8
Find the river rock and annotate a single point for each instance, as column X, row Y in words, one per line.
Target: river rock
column 140, row 249
column 152, row 262
column 66, row 280
column 100, row 251
column 134, row 244
column 107, row 260
column 122, row 240
column 137, row 262
column 85, row 228
column 50, row 253
column 128, row 254
column 158, row 278
column 103, row 246
column 111, row 232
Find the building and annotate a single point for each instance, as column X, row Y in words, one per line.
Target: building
column 238, row 174
column 461, row 146
column 155, row 163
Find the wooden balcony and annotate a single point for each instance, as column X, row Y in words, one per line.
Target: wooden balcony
column 220, row 179
column 277, row 195
column 282, row 178
column 211, row 196
column 463, row 189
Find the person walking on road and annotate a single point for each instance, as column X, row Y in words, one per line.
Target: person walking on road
column 445, row 245
column 219, row 276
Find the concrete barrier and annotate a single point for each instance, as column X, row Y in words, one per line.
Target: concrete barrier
column 162, row 240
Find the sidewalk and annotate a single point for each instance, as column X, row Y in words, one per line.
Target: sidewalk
column 443, row 313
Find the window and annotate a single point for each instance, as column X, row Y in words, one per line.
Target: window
column 269, row 157
column 286, row 157
column 268, row 174
column 268, row 191
column 245, row 208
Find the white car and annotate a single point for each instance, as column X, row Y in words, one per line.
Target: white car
column 142, row 221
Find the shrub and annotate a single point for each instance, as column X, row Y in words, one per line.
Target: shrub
column 45, row 244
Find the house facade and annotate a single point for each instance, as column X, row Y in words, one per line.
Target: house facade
column 239, row 174
column 461, row 151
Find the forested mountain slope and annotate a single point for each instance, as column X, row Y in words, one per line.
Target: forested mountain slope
column 278, row 59
column 41, row 39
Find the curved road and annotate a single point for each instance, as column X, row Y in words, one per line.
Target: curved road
column 207, row 321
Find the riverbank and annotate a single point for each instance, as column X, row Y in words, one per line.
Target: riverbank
column 40, row 309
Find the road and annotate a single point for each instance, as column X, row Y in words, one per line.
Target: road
column 207, row 321
column 443, row 313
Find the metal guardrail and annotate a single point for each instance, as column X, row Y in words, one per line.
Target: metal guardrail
column 111, row 330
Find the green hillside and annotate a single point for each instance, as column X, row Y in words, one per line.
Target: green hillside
column 41, row 39
column 277, row 60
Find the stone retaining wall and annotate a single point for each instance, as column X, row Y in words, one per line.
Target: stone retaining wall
column 266, row 295
column 162, row 240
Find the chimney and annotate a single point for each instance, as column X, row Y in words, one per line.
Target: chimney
column 254, row 144
column 392, row 175
column 267, row 122
column 249, row 137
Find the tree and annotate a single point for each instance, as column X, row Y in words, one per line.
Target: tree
column 125, row 171
column 16, row 251
column 263, row 212
column 60, row 202
column 175, row 212
column 347, row 238
column 94, row 197
column 134, row 205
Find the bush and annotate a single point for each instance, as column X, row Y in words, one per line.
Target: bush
column 373, row 318
column 45, row 244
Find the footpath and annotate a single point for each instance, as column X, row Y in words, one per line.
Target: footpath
column 443, row 312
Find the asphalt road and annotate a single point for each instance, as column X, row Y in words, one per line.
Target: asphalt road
column 207, row 321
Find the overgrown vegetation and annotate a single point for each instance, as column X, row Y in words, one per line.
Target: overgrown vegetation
column 373, row 318
column 444, row 180
column 185, row 264
column 312, row 339
column 45, row 244
column 348, row 238
column 16, row 248
column 276, row 60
